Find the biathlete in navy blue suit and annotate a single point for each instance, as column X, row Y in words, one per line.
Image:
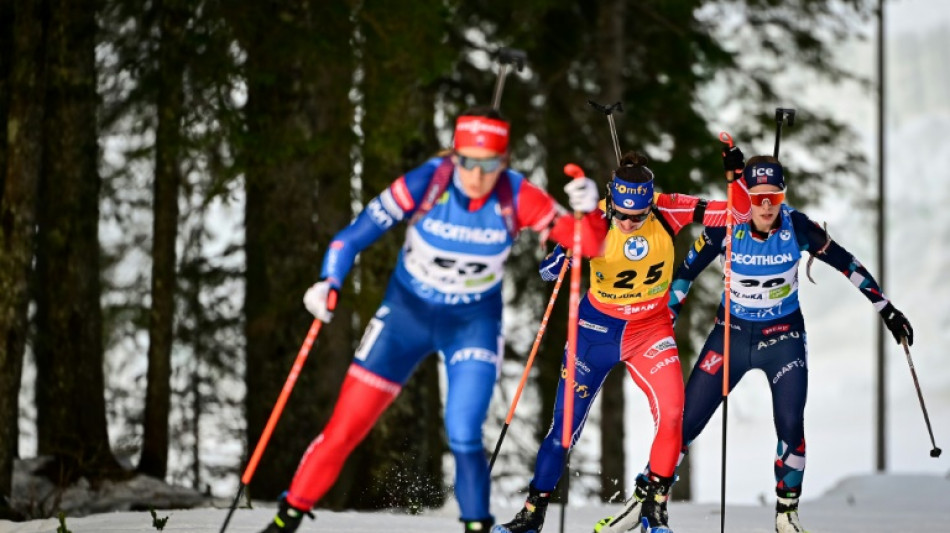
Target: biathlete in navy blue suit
column 767, row 327
column 463, row 211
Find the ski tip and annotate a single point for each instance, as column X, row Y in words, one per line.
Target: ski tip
column 603, row 522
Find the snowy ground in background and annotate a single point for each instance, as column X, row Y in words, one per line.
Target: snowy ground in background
column 856, row 505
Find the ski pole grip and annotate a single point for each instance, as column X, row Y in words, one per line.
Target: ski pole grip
column 574, row 171
column 607, row 109
column 513, row 56
column 726, row 138
column 785, row 113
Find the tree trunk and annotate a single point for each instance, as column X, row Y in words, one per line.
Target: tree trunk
column 173, row 16
column 6, row 60
column 299, row 71
column 612, row 30
column 21, row 116
column 71, row 418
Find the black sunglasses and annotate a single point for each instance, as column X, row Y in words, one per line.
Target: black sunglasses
column 637, row 217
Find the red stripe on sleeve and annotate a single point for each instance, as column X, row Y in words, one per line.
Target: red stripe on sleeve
column 402, row 195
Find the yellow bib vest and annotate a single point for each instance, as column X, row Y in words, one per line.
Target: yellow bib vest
column 635, row 270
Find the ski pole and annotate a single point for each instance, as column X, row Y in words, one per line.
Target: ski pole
column 781, row 115
column 568, row 430
column 727, row 270
column 609, row 111
column 527, row 368
column 935, row 452
column 506, row 57
column 279, row 407
column 565, row 489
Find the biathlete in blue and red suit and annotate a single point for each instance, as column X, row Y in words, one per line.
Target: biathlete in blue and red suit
column 624, row 320
column 767, row 327
column 463, row 213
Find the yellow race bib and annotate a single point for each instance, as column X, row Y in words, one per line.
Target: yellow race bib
column 635, row 267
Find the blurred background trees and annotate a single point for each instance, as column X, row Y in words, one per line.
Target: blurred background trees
column 173, row 170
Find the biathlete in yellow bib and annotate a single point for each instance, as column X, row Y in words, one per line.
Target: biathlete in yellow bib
column 624, row 319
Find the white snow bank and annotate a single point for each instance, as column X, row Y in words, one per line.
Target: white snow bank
column 38, row 496
column 861, row 504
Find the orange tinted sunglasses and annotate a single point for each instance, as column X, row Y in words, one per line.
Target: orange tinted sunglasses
column 774, row 198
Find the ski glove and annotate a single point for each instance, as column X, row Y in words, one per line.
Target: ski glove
column 320, row 300
column 897, row 323
column 582, row 194
column 551, row 265
column 732, row 159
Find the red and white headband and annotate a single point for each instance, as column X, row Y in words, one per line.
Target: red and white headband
column 481, row 132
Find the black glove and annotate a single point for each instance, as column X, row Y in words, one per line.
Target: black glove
column 732, row 159
column 897, row 323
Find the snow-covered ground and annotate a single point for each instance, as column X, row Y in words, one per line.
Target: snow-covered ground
column 856, row 505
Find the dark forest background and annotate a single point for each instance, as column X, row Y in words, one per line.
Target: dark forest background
column 171, row 172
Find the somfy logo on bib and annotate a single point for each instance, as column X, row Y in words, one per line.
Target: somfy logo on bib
column 636, row 248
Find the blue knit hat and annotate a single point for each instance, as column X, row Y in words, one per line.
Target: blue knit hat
column 764, row 173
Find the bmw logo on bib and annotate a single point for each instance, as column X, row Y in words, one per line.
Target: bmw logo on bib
column 636, row 248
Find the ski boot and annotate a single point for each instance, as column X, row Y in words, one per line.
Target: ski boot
column 287, row 519
column 530, row 518
column 786, row 516
column 478, row 525
column 629, row 518
column 653, row 515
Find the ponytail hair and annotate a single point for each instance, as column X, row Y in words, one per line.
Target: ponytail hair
column 633, row 168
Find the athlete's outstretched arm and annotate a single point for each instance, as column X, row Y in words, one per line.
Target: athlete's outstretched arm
column 538, row 211
column 741, row 206
column 396, row 203
column 681, row 209
column 819, row 244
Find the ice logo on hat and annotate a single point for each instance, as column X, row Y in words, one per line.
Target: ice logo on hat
column 636, row 248
column 765, row 173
